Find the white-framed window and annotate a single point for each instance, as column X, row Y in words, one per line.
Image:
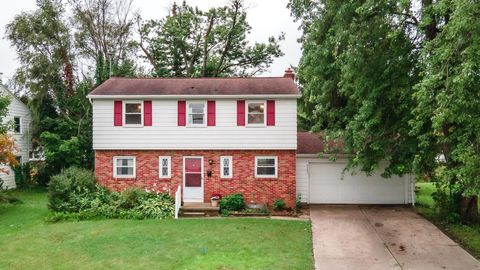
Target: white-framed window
column 196, row 113
column 133, row 113
column 17, row 124
column 124, row 167
column 226, row 167
column 19, row 160
column 165, row 167
column 266, row 167
column 256, row 113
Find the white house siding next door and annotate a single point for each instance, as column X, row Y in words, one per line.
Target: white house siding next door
column 327, row 186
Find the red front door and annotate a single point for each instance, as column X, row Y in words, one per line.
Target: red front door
column 193, row 179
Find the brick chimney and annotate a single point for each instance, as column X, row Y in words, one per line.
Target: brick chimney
column 289, row 74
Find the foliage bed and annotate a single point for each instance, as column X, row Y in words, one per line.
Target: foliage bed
column 74, row 195
column 468, row 235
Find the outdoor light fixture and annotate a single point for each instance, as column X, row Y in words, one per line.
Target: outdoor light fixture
column 210, row 161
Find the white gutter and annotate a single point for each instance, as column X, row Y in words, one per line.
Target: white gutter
column 193, row 96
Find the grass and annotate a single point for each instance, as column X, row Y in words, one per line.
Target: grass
column 466, row 235
column 27, row 242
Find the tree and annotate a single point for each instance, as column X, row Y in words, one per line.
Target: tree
column 357, row 73
column 104, row 33
column 398, row 85
column 194, row 43
column 447, row 109
column 43, row 45
column 7, row 143
column 50, row 57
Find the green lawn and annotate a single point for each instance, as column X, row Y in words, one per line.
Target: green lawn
column 27, row 242
column 467, row 236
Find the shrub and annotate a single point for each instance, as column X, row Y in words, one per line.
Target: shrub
column 298, row 202
column 73, row 195
column 234, row 202
column 279, row 205
column 22, row 175
column 65, row 189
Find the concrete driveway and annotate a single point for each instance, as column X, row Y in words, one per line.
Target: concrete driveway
column 383, row 237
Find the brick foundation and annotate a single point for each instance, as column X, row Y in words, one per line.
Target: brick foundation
column 260, row 190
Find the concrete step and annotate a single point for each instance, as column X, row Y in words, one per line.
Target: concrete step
column 192, row 214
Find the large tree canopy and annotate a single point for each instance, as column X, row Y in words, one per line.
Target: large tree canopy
column 357, row 72
column 398, row 83
column 193, row 43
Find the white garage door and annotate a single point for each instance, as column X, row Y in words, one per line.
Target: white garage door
column 327, row 186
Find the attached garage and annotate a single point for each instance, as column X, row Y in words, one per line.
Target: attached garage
column 321, row 181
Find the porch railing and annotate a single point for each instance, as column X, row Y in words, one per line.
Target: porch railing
column 178, row 201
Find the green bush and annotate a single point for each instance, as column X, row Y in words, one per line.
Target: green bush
column 279, row 205
column 22, row 175
column 298, row 202
column 65, row 188
column 73, row 195
column 234, row 202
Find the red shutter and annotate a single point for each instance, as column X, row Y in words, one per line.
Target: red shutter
column 211, row 113
column 240, row 112
column 270, row 112
column 117, row 113
column 147, row 113
column 182, row 116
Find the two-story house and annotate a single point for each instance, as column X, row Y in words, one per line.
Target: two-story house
column 20, row 116
column 222, row 135
column 225, row 135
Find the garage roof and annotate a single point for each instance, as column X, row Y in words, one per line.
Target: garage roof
column 313, row 143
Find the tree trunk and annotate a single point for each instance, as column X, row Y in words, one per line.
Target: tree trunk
column 470, row 208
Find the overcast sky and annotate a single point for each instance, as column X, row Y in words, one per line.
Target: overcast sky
column 266, row 17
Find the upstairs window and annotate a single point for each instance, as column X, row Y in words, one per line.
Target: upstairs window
column 17, row 121
column 124, row 167
column 266, row 167
column 196, row 113
column 165, row 167
column 133, row 113
column 226, row 167
column 256, row 113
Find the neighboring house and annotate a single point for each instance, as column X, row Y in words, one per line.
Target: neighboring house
column 21, row 117
column 207, row 135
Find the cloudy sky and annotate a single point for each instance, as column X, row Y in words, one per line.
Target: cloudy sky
column 266, row 17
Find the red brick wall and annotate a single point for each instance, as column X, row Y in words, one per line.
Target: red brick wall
column 260, row 190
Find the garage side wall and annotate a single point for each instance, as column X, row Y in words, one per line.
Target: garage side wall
column 396, row 190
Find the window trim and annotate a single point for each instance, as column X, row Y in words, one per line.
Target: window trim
column 230, row 170
column 187, row 113
column 169, row 175
column 266, row 157
column 20, row 125
column 264, row 124
column 124, row 113
column 115, row 158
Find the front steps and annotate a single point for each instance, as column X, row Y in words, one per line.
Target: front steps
column 196, row 210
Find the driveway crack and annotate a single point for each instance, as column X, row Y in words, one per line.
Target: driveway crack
column 380, row 237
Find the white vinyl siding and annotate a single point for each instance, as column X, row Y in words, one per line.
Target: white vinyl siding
column 23, row 139
column 226, row 168
column 124, row 167
column 166, row 134
column 165, row 167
